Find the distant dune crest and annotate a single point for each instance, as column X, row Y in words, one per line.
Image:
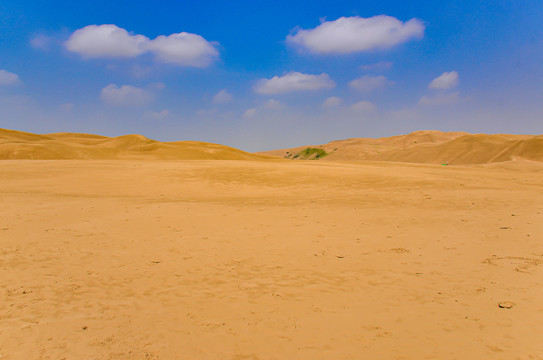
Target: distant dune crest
column 23, row 145
column 429, row 147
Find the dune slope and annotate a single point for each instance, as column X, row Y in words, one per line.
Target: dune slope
column 430, row 147
column 23, row 145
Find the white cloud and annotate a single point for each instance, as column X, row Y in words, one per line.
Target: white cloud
column 447, row 80
column 8, row 78
column 125, row 95
column 111, row 41
column 272, row 104
column 106, row 41
column 363, row 107
column 222, row 97
column 157, row 114
column 183, row 49
column 249, row 113
column 440, row 99
column 356, row 34
column 294, row 81
column 378, row 66
column 332, row 101
column 369, row 83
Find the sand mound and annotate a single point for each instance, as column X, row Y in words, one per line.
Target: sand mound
column 23, row 145
column 474, row 149
column 430, row 147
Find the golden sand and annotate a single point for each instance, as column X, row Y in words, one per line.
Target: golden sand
column 264, row 259
column 270, row 260
column 23, row 145
column 432, row 147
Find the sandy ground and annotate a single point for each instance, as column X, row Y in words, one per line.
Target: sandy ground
column 270, row 260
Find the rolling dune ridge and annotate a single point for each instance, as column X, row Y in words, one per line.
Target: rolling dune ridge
column 22, row 145
column 431, row 147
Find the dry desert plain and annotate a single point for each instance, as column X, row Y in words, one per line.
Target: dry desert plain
column 270, row 259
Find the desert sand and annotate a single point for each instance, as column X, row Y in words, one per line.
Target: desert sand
column 71, row 146
column 270, row 259
column 430, row 147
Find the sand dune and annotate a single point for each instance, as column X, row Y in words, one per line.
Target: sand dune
column 430, row 147
column 22, row 145
column 263, row 260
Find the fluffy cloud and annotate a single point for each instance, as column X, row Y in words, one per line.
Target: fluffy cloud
column 111, row 41
column 106, row 41
column 447, row 80
column 294, row 81
column 249, row 113
column 125, row 95
column 183, row 49
column 272, row 104
column 8, row 78
column 440, row 99
column 222, row 97
column 356, row 34
column 369, row 83
column 363, row 107
column 269, row 106
column 332, row 101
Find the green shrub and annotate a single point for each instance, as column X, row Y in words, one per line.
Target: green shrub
column 311, row 153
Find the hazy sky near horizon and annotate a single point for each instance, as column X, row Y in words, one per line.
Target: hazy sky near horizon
column 271, row 74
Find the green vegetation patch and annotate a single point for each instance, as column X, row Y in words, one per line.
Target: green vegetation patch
column 309, row 153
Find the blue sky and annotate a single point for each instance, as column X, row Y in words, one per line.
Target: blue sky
column 263, row 75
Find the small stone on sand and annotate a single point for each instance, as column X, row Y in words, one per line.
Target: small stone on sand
column 506, row 304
